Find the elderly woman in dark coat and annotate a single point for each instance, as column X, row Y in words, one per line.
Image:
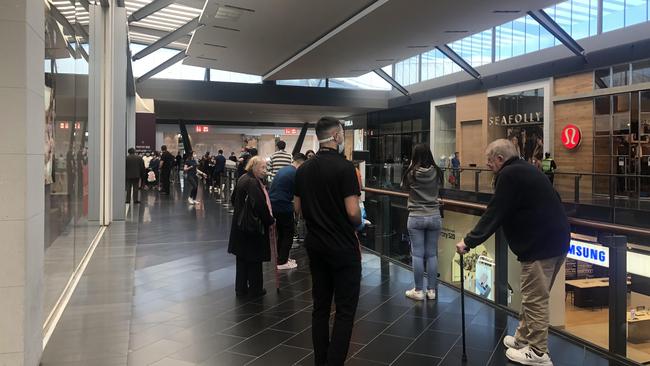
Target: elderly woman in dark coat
column 249, row 233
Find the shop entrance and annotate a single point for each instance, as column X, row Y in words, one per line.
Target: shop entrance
column 622, row 138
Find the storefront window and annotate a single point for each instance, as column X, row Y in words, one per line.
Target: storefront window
column 620, row 75
column 602, row 79
column 519, row 117
column 71, row 218
column 641, row 72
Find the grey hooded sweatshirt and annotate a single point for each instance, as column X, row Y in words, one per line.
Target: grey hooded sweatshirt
column 423, row 192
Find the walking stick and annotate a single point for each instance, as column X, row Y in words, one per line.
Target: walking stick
column 274, row 255
column 462, row 304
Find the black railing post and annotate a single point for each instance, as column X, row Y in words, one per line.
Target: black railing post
column 576, row 188
column 501, row 264
column 476, row 180
column 617, row 245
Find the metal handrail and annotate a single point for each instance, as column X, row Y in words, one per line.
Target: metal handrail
column 601, row 226
column 556, row 172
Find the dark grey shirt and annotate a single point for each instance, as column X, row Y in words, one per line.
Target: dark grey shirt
column 423, row 192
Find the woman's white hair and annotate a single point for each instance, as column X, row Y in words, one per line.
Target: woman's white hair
column 253, row 162
column 501, row 147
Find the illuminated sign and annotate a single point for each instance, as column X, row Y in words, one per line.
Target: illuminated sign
column 590, row 253
column 66, row 125
column 348, row 123
column 571, row 136
column 515, row 119
column 201, row 129
column 290, row 131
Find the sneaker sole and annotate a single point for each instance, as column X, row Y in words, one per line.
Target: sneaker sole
column 529, row 363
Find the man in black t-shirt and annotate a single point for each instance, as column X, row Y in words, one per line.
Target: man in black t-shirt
column 166, row 165
column 327, row 195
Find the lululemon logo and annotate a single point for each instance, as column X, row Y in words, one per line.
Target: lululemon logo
column 571, row 136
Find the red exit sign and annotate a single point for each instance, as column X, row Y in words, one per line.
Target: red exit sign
column 291, row 131
column 201, row 129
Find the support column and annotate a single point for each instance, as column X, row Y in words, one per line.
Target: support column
column 22, row 89
column 115, row 147
column 96, row 97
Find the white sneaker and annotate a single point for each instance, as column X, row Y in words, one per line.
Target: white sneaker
column 190, row 200
column 511, row 342
column 526, row 356
column 431, row 294
column 287, row 265
column 291, row 260
column 414, row 294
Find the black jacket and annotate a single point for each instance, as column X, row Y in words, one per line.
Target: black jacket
column 134, row 167
column 248, row 246
column 530, row 212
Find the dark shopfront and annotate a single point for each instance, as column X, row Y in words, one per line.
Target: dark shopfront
column 391, row 135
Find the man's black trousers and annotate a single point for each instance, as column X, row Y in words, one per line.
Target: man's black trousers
column 337, row 276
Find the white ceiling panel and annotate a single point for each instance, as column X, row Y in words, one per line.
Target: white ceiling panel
column 252, row 37
column 297, row 39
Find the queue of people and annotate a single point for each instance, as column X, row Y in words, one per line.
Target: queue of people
column 323, row 188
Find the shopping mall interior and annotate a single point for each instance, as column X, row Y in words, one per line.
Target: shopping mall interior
column 89, row 280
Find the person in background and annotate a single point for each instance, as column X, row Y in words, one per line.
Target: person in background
column 232, row 157
column 147, row 159
column 192, row 176
column 549, row 166
column 281, row 195
column 166, row 165
column 310, row 154
column 455, row 170
column 134, row 172
column 537, row 230
column 423, row 178
column 249, row 235
column 179, row 164
column 242, row 161
column 219, row 169
column 154, row 167
column 327, row 195
column 279, row 159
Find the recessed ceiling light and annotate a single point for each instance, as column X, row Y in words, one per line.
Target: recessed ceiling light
column 358, row 70
column 418, row 46
column 507, row 11
column 225, row 28
column 206, row 58
column 385, row 60
column 456, row 31
column 215, row 45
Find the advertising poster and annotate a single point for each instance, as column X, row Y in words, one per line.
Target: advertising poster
column 479, row 262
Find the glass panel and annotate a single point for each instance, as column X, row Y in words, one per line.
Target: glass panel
column 234, row 77
column 602, row 79
column 621, row 114
column 406, row 72
column 601, row 146
column 602, row 105
column 370, row 81
column 303, row 82
column 641, row 72
column 475, row 49
column 602, row 125
column 503, row 46
column 621, row 145
column 638, row 304
column 636, row 11
column 613, row 14
column 71, row 213
column 644, row 107
column 620, row 75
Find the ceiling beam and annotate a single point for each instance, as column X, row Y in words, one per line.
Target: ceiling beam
column 447, row 51
column 556, row 30
column 389, row 79
column 170, row 37
column 149, row 9
column 338, row 29
column 173, row 60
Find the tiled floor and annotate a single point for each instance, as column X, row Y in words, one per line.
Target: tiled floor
column 159, row 291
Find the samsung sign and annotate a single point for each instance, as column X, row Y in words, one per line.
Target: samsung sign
column 590, row 253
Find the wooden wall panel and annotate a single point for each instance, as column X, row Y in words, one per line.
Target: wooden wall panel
column 470, row 108
column 574, row 84
column 579, row 113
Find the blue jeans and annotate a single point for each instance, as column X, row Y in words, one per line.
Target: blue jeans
column 424, row 232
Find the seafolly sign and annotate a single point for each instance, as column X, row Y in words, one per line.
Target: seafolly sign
column 514, row 119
